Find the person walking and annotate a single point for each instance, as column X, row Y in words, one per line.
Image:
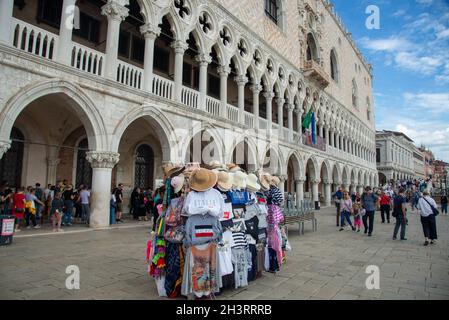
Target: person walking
column 30, row 208
column 358, row 213
column 444, row 204
column 369, row 200
column 18, row 207
column 337, row 198
column 346, row 209
column 85, row 205
column 135, row 202
column 68, row 196
column 415, row 198
column 385, row 206
column 39, row 193
column 400, row 213
column 57, row 212
column 112, row 207
column 428, row 219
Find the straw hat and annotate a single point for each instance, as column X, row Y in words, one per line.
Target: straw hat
column 177, row 183
column 251, row 183
column 239, row 179
column 202, row 179
column 265, row 181
column 215, row 164
column 275, row 181
column 224, row 182
column 172, row 169
column 232, row 167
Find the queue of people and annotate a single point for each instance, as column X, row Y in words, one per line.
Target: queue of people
column 390, row 203
column 56, row 202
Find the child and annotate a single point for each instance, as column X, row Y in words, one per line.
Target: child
column 358, row 213
column 57, row 212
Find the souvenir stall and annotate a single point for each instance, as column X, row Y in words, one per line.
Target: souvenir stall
column 219, row 229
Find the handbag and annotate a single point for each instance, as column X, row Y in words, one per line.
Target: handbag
column 434, row 210
column 175, row 235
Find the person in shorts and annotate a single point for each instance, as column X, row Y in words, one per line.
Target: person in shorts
column 57, row 211
column 119, row 203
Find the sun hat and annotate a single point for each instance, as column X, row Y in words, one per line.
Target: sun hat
column 232, row 167
column 177, row 183
column 265, row 180
column 215, row 164
column 202, row 179
column 224, row 182
column 275, row 181
column 252, row 184
column 172, row 169
column 239, row 179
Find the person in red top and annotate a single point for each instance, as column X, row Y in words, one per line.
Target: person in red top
column 18, row 209
column 385, row 206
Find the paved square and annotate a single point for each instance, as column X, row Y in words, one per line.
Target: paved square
column 326, row 264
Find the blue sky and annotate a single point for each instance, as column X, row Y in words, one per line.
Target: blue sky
column 410, row 55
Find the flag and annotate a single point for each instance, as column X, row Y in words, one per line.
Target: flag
column 313, row 129
column 307, row 120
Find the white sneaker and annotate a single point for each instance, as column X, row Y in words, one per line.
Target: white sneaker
column 29, row 227
column 37, row 227
column 17, row 230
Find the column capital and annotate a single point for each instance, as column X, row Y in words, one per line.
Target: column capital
column 241, row 80
column 103, row 159
column 53, row 162
column 179, row 46
column 115, row 10
column 291, row 107
column 315, row 181
column 280, row 101
column 4, row 147
column 224, row 70
column 203, row 59
column 300, row 180
column 256, row 88
column 269, row 95
column 150, row 31
column 298, row 111
column 327, row 181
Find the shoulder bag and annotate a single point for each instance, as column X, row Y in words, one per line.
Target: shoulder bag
column 434, row 210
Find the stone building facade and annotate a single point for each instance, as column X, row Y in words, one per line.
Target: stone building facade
column 139, row 83
column 394, row 156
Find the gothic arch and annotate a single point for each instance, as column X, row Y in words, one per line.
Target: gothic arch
column 78, row 100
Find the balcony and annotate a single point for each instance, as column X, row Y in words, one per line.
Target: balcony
column 314, row 71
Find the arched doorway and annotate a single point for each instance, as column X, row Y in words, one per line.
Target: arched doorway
column 382, row 179
column 144, row 167
column 202, row 149
column 324, row 186
column 244, row 157
column 311, row 184
column 83, row 168
column 271, row 162
column 11, row 163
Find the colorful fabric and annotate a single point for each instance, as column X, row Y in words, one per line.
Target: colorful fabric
column 275, row 216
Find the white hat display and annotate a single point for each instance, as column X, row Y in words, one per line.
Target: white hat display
column 252, row 183
column 239, row 180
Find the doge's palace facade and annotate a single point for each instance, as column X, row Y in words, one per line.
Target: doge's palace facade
column 139, row 83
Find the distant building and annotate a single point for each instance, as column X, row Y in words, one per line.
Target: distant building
column 429, row 166
column 394, row 156
column 419, row 164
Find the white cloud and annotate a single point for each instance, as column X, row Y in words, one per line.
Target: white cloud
column 425, row 2
column 443, row 34
column 412, row 61
column 391, row 44
column 435, row 102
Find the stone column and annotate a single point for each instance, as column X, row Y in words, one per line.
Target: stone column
column 6, row 9
column 280, row 103
column 338, row 141
column 150, row 33
column 52, row 167
column 102, row 163
column 4, row 147
column 256, row 89
column 291, row 107
column 115, row 13
column 241, row 82
column 224, row 72
column 327, row 193
column 326, row 134
column 65, row 32
column 203, row 60
column 315, row 190
column 179, row 47
column 332, row 137
column 299, row 192
column 299, row 123
column 282, row 184
column 269, row 99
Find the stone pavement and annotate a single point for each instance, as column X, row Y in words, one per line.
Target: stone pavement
column 326, row 264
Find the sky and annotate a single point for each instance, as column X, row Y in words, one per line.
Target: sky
column 410, row 56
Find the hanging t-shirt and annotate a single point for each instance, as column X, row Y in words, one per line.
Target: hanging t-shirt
column 200, row 203
column 201, row 229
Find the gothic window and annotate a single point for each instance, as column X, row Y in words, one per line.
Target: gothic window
column 334, row 65
column 83, row 168
column 312, row 50
column 89, row 28
column 11, row 163
column 272, row 10
column 144, row 167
